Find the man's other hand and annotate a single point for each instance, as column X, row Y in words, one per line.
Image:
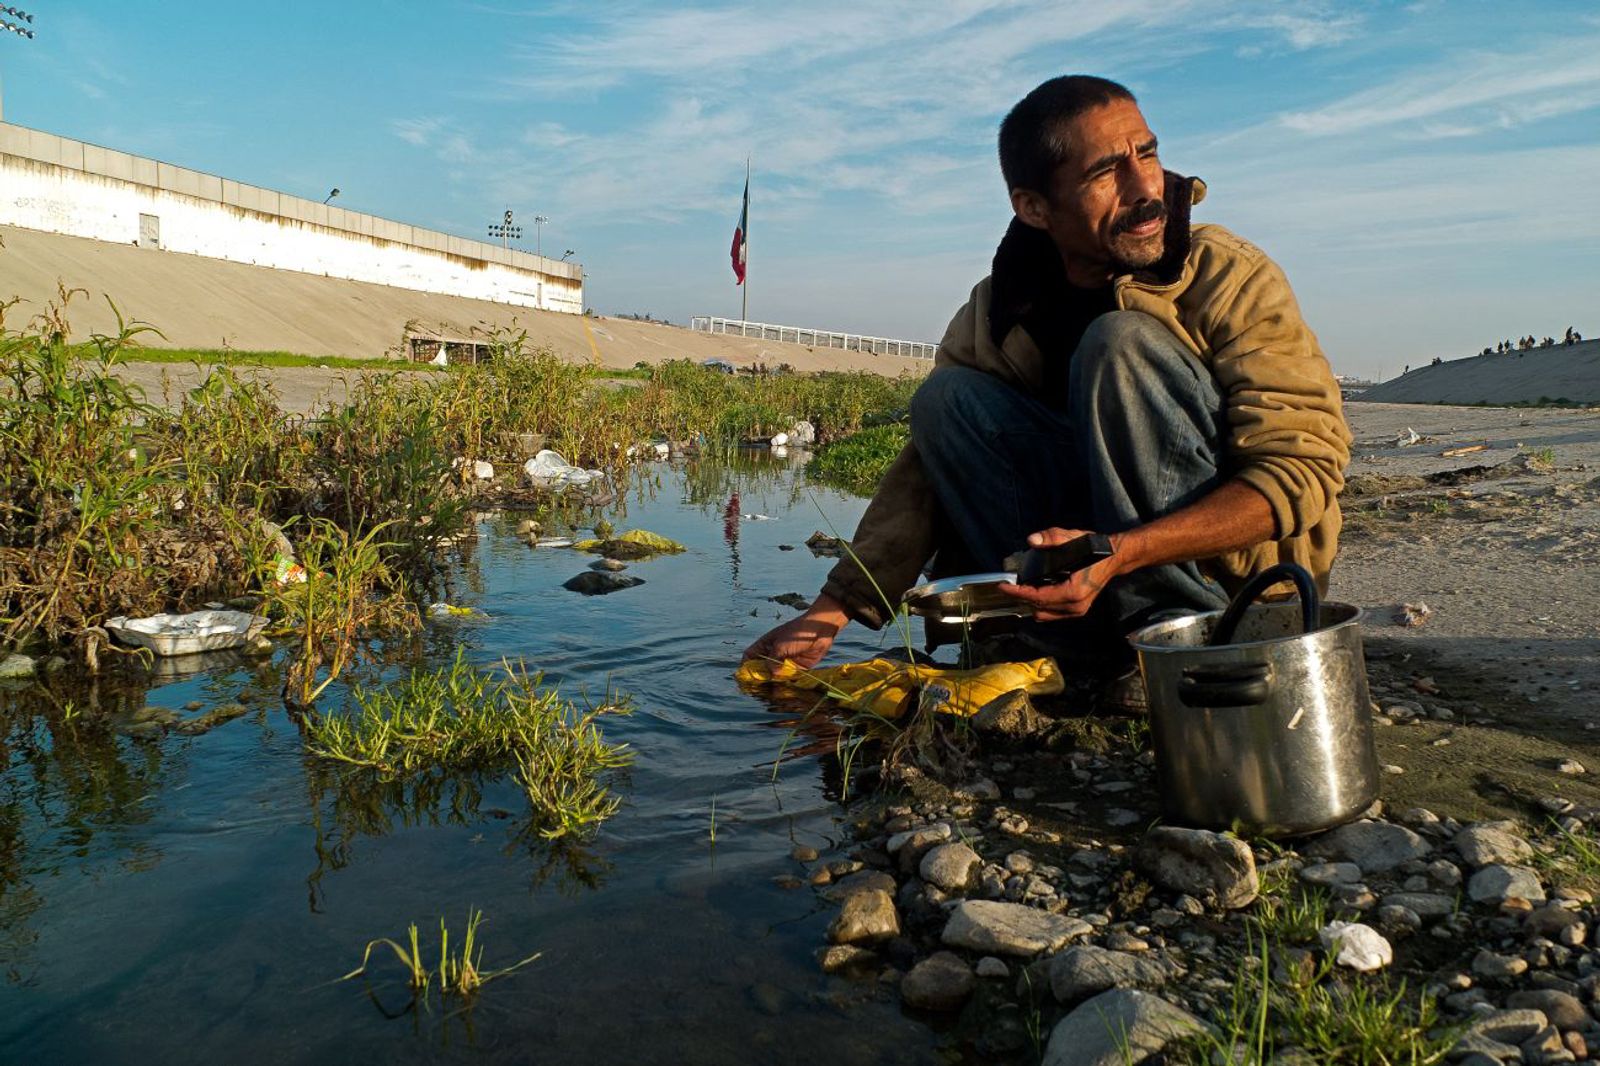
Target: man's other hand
column 1073, row 596
column 804, row 640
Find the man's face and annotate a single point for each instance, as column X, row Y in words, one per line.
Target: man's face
column 1105, row 210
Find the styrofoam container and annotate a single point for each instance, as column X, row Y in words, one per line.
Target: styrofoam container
column 187, row 634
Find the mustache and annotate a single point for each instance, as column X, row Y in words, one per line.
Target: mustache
column 1147, row 211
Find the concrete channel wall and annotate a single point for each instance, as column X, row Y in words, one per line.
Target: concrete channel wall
column 63, row 186
column 1562, row 373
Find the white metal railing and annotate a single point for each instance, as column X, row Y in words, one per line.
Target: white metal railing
column 817, row 338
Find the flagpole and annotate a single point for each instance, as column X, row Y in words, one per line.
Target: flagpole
column 744, row 304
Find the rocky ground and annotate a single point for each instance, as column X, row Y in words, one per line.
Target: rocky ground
column 1036, row 910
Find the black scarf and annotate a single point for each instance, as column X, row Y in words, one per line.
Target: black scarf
column 1029, row 281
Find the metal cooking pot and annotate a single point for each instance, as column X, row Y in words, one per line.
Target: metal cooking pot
column 1259, row 715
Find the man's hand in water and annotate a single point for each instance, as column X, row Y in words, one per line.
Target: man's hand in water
column 804, row 640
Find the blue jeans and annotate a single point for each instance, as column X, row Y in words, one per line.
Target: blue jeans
column 1141, row 437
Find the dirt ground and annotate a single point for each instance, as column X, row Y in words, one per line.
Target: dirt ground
column 1502, row 544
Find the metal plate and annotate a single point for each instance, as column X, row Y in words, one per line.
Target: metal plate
column 967, row 598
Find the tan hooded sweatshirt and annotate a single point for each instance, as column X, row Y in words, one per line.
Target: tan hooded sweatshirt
column 1232, row 307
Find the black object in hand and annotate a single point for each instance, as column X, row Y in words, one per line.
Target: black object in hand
column 1050, row 566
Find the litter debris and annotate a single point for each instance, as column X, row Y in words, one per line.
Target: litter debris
column 1451, row 453
column 1360, row 947
column 1407, row 438
column 1412, row 615
column 886, row 688
column 482, row 471
column 822, row 544
column 756, row 517
column 802, row 433
column 548, row 470
column 449, row 610
column 186, row 634
column 551, row 542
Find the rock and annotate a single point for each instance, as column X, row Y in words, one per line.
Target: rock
column 1507, row 1026
column 1116, row 1028
column 822, row 544
column 204, row 723
column 1360, row 947
column 1397, row 918
column 989, row 966
column 15, row 667
column 791, row 599
column 610, row 565
column 940, row 982
column 482, row 471
column 1545, row 1047
column 1083, row 969
column 1011, row 715
column 1498, row 883
column 1569, row 766
column 600, row 582
column 865, row 916
column 1550, row 921
column 861, row 881
column 1487, row 964
column 1219, row 870
column 1423, row 904
column 1489, row 843
column 953, row 867
column 998, row 928
column 1330, row 873
column 981, row 788
column 927, row 835
column 1562, row 1010
column 837, row 957
column 1376, row 847
column 803, row 853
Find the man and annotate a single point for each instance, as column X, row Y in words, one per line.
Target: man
column 1118, row 372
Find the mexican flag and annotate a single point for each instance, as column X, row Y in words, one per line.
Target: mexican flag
column 741, row 235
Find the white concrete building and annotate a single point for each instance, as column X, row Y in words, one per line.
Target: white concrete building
column 63, row 186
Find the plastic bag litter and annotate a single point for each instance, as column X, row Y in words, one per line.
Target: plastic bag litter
column 802, row 432
column 885, row 688
column 1408, row 438
column 449, row 610
column 549, row 470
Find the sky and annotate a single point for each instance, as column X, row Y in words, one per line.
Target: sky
column 1423, row 171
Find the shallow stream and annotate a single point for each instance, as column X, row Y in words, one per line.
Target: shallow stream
column 167, row 898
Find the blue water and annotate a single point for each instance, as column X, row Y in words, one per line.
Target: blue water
column 191, row 899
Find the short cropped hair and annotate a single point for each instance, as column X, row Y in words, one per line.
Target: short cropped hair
column 1033, row 140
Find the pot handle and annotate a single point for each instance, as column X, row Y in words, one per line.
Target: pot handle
column 1244, row 685
column 1310, row 602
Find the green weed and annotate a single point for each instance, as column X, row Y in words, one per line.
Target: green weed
column 858, row 462
column 459, row 719
column 459, row 974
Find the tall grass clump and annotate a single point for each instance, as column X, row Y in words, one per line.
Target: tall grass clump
column 858, row 462
column 462, row 720
column 92, row 521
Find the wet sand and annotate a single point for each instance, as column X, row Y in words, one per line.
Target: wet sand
column 1503, row 544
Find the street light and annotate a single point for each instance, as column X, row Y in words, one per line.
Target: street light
column 330, row 196
column 506, row 231
column 566, row 255
column 8, row 13
column 538, row 244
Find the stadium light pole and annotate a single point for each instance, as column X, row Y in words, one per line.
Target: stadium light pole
column 505, row 230
column 538, row 234
column 16, row 20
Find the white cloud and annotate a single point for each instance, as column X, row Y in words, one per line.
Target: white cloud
column 1513, row 87
column 417, row 131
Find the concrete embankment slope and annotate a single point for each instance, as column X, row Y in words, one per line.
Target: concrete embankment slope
column 1564, row 373
column 208, row 303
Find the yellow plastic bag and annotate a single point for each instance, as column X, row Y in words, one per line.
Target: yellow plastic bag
column 885, row 688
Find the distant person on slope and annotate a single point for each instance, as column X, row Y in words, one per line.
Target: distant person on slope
column 1119, row 371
